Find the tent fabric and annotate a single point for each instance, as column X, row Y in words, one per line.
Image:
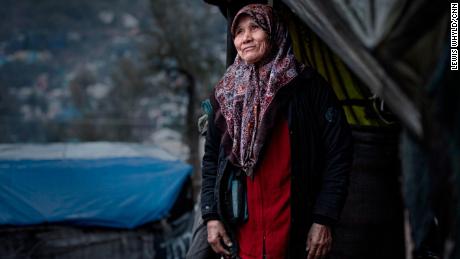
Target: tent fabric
column 324, row 20
column 89, row 188
column 361, row 107
column 370, row 21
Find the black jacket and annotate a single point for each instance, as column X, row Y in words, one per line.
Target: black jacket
column 321, row 156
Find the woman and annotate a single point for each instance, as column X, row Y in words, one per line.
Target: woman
column 278, row 128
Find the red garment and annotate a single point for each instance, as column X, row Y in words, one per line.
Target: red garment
column 267, row 228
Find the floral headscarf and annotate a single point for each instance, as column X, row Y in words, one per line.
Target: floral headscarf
column 246, row 90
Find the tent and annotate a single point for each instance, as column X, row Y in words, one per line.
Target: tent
column 64, row 200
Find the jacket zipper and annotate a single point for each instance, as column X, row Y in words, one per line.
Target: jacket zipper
column 264, row 256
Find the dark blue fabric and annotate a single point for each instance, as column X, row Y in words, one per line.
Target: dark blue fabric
column 110, row 192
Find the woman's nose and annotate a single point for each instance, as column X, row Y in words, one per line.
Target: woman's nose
column 247, row 36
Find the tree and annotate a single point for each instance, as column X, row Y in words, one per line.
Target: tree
column 189, row 39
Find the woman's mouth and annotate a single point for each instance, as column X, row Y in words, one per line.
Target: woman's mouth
column 248, row 48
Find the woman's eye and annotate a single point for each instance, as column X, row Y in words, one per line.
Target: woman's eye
column 254, row 27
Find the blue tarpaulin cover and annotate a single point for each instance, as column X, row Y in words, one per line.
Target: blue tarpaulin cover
column 122, row 191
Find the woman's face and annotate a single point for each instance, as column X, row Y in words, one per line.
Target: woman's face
column 251, row 42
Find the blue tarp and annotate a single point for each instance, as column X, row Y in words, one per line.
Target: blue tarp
column 121, row 192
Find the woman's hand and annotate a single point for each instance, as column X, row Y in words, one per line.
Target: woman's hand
column 217, row 235
column 319, row 241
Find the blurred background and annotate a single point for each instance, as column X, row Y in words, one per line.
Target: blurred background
column 111, row 87
column 108, row 70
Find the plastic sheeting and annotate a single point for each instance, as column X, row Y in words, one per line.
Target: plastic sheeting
column 96, row 190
